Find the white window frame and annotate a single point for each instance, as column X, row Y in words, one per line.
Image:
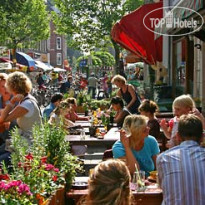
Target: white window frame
column 59, row 58
column 58, row 43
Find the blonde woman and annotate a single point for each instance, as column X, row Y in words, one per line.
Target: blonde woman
column 27, row 112
column 136, row 146
column 182, row 105
column 109, row 184
column 127, row 92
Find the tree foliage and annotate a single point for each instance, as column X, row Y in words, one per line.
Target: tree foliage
column 99, row 59
column 23, row 22
column 89, row 22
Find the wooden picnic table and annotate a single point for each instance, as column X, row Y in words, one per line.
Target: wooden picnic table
column 109, row 139
column 152, row 195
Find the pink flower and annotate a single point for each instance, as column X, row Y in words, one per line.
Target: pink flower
column 49, row 167
column 56, row 170
column 24, row 188
column 14, row 183
column 2, row 185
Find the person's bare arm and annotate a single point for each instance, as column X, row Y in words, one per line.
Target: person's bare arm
column 16, row 113
column 154, row 158
column 130, row 158
column 133, row 95
column 119, row 93
column 119, row 117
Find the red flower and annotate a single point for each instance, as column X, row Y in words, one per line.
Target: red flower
column 43, row 160
column 4, row 177
column 27, row 166
column 29, row 156
column 54, row 178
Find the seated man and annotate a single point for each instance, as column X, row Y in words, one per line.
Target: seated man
column 118, row 105
column 181, row 168
column 55, row 100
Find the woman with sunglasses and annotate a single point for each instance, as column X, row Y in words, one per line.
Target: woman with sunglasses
column 136, row 146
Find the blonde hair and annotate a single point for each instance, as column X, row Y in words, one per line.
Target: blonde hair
column 135, row 124
column 184, row 101
column 62, row 106
column 109, row 184
column 118, row 78
column 71, row 100
column 19, row 83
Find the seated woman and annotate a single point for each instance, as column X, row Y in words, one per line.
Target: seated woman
column 72, row 115
column 27, row 112
column 148, row 108
column 118, row 105
column 136, row 146
column 109, row 184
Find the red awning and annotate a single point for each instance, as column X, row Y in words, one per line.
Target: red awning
column 131, row 33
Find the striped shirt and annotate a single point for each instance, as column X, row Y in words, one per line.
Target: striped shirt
column 181, row 172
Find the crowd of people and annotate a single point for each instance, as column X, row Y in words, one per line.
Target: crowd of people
column 180, row 167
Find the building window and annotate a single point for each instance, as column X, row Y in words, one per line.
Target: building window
column 58, row 43
column 59, row 59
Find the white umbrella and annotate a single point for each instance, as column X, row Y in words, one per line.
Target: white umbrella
column 5, row 66
column 42, row 66
column 59, row 70
column 134, row 65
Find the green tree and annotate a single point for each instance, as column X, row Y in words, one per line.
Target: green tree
column 106, row 58
column 89, row 22
column 23, row 23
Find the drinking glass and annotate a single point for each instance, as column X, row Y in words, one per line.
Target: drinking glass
column 134, row 184
column 141, row 180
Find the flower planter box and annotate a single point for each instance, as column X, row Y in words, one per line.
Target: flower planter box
column 57, row 198
column 80, row 109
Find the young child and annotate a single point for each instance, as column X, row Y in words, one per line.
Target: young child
column 72, row 115
column 183, row 104
column 148, row 108
column 57, row 116
column 59, row 113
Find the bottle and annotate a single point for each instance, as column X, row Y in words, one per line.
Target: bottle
column 82, row 134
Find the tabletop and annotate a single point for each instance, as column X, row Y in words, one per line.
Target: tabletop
column 152, row 195
column 109, row 138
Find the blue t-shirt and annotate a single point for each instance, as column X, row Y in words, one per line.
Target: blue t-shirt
column 144, row 156
column 48, row 110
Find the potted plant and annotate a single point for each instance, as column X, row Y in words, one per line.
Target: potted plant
column 46, row 166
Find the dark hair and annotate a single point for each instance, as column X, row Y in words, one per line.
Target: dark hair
column 190, row 126
column 117, row 100
column 56, row 97
column 148, row 106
